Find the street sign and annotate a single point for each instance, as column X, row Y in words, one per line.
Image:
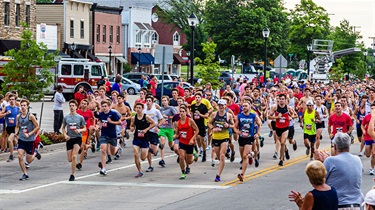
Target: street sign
column 168, row 54
column 280, row 64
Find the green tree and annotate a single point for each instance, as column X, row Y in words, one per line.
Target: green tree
column 209, row 69
column 28, row 72
column 337, row 72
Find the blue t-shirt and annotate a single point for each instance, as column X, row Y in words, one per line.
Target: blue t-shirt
column 108, row 129
column 10, row 119
column 116, row 87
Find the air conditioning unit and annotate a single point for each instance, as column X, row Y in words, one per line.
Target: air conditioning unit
column 154, row 41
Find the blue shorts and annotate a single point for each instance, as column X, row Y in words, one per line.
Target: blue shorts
column 153, row 138
column 107, row 140
column 28, row 146
column 369, row 142
column 141, row 143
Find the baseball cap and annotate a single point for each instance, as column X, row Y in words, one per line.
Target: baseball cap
column 309, row 102
column 222, row 102
column 370, row 198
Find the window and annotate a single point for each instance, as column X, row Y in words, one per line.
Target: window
column 104, row 34
column 110, row 34
column 71, row 28
column 82, row 33
column 138, row 38
column 27, row 15
column 154, row 37
column 147, row 39
column 78, row 70
column 97, row 33
column 96, row 71
column 18, row 10
column 176, row 38
column 6, row 13
column 66, row 69
column 118, row 34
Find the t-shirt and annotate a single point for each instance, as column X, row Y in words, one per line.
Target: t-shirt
column 153, row 87
column 88, row 115
column 235, row 108
column 173, row 102
column 109, row 129
column 340, row 123
column 116, row 87
column 365, row 123
column 190, row 100
column 72, row 123
column 202, row 109
column 155, row 116
column 168, row 111
column 10, row 119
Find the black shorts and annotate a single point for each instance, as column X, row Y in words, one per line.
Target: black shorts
column 245, row 141
column 273, row 125
column 188, row 148
column 71, row 142
column 359, row 132
column 311, row 138
column 153, row 138
column 202, row 131
column 141, row 143
column 28, row 146
column 10, row 129
column 217, row 143
column 320, row 125
column 291, row 132
column 280, row 131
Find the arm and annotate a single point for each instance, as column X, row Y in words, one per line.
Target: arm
column 132, row 127
column 196, row 131
column 17, row 125
column 272, row 112
column 371, row 125
column 35, row 123
column 210, row 125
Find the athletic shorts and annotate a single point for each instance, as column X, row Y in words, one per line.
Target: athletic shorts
column 71, row 142
column 217, row 143
column 291, row 132
column 166, row 132
column 28, row 146
column 188, row 148
column 273, row 125
column 245, row 141
column 107, row 140
column 141, row 143
column 10, row 129
column 85, row 137
column 176, row 141
column 202, row 131
column 230, row 130
column 153, row 138
column 311, row 138
column 369, row 142
column 280, row 131
column 359, row 132
column 320, row 125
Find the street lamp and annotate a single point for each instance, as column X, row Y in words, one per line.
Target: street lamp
column 110, row 58
column 364, row 58
column 187, row 75
column 266, row 34
column 309, row 49
column 193, row 21
column 139, row 59
column 73, row 48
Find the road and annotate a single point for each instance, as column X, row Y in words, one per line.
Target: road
column 265, row 187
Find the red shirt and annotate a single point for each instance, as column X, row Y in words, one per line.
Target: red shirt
column 235, row 108
column 299, row 95
column 79, row 96
column 181, row 91
column 153, row 87
column 365, row 123
column 190, row 99
column 88, row 115
column 340, row 123
column 261, row 78
column 186, row 132
column 107, row 86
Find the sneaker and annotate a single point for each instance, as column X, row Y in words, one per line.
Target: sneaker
column 240, row 177
column 80, row 151
column 103, row 172
column 92, row 147
column 307, row 150
column 183, row 176
column 258, row 155
column 24, row 177
column 11, row 158
column 227, row 155
column 204, row 156
column 187, row 171
column 109, row 161
column 140, row 174
column 85, row 155
column 212, row 163
column 287, row 156
column 281, row 163
column 162, row 163
column 120, row 150
column 100, row 165
column 372, row 172
column 360, row 154
column 295, row 145
column 200, row 153
column 40, row 145
column 217, row 179
column 27, row 165
column 79, row 166
column 71, row 178
column 117, row 156
column 150, row 169
column 256, row 163
column 232, row 156
column 275, row 155
column 127, row 134
column 195, row 156
column 208, row 148
column 270, row 135
column 261, row 141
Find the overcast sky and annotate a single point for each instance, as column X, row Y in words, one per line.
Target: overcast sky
column 358, row 12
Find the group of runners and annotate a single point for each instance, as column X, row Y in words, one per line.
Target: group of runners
column 194, row 120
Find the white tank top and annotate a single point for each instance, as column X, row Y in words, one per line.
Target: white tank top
column 346, row 111
column 320, row 110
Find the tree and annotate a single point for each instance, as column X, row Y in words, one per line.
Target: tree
column 209, row 69
column 28, row 72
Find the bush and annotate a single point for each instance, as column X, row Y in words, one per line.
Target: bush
column 45, row 140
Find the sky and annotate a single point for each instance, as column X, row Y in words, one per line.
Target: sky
column 359, row 13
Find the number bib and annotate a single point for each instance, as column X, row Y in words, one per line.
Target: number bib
column 282, row 120
column 11, row 120
column 140, row 134
column 219, row 127
column 183, row 134
column 361, row 117
column 104, row 123
column 339, row 129
column 308, row 126
column 245, row 133
column 166, row 121
column 72, row 126
column 24, row 129
column 196, row 116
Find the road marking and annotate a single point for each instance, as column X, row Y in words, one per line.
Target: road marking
column 129, row 184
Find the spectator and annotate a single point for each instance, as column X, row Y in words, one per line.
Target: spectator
column 145, row 81
column 209, row 89
column 141, row 81
column 101, row 82
column 180, row 88
column 80, row 94
column 269, row 84
column 369, row 203
column 117, row 85
column 58, row 116
column 108, row 86
column 153, row 83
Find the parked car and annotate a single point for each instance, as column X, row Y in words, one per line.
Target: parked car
column 168, row 86
column 134, row 76
column 227, row 76
column 167, row 77
column 129, row 86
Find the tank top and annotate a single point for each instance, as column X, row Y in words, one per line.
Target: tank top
column 346, row 111
column 219, row 122
column 320, row 110
column 308, row 123
column 247, row 125
column 360, row 116
column 186, row 132
column 258, row 103
column 282, row 122
column 26, row 126
column 292, row 102
column 140, row 125
column 327, row 200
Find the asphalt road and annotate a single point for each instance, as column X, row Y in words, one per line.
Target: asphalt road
column 265, row 187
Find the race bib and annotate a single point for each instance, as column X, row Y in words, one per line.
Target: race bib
column 339, row 129
column 11, row 120
column 123, row 124
column 72, row 126
column 166, row 121
column 196, row 116
column 104, row 123
column 24, row 129
column 282, row 120
column 183, row 134
column 245, row 133
column 308, row 126
column 219, row 127
column 361, row 118
column 140, row 134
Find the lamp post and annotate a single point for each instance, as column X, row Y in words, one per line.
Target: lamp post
column 139, row 59
column 309, row 49
column 187, row 73
column 193, row 21
column 73, row 48
column 266, row 34
column 110, row 58
column 364, row 58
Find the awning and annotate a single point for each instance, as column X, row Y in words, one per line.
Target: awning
column 103, row 59
column 6, row 45
column 91, row 56
column 144, row 60
column 149, row 27
column 177, row 59
column 77, row 55
column 78, row 46
column 150, row 58
column 121, row 59
column 140, row 25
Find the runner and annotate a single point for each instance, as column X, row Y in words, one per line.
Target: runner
column 360, row 113
column 75, row 125
column 323, row 112
column 140, row 124
column 126, row 115
column 102, row 95
column 369, row 140
column 310, row 117
column 26, row 128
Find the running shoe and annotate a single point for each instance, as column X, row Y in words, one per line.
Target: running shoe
column 281, row 163
column 204, row 156
column 372, row 172
column 232, row 156
column 27, row 165
column 195, row 156
column 275, row 155
column 103, row 172
column 295, row 145
column 261, row 138
column 200, row 152
column 120, row 150
column 92, row 147
column 212, row 163
column 227, row 155
column 287, row 156
column 24, row 177
column 360, row 154
column 208, row 147
column 270, row 135
column 321, row 137
column 217, row 179
column 183, row 176
column 109, row 160
column 127, row 134
column 40, row 145
column 150, row 169
column 258, row 155
column 187, row 170
column 140, row 174
column 11, row 158
column 79, row 151
column 100, row 165
column 162, row 163
column 256, row 162
column 307, row 150
column 117, row 156
column 71, row 178
column 79, row 166
column 85, row 155
column 240, row 177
